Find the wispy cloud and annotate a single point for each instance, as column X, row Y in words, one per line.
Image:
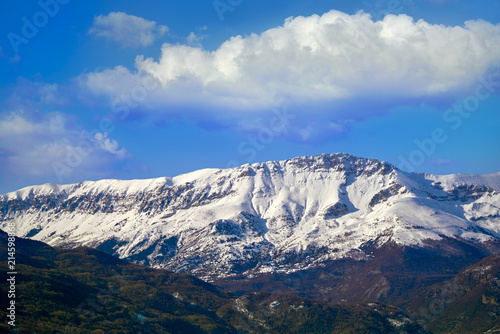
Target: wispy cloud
column 110, row 145
column 194, row 39
column 440, row 162
column 31, row 142
column 10, row 60
column 440, row 2
column 128, row 30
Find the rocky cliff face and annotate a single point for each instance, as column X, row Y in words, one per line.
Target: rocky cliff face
column 280, row 216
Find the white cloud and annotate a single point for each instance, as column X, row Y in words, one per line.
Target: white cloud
column 31, row 144
column 128, row 30
column 19, row 124
column 343, row 66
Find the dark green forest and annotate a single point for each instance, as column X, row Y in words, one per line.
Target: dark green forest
column 84, row 290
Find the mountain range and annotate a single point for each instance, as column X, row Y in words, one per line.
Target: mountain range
column 334, row 227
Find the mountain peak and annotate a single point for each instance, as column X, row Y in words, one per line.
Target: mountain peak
column 333, row 162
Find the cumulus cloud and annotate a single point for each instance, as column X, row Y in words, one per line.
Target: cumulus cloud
column 336, row 66
column 36, row 144
column 128, row 30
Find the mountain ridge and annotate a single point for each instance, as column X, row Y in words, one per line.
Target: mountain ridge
column 277, row 216
column 169, row 180
column 166, row 180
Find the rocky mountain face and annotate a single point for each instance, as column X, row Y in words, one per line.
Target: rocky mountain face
column 277, row 218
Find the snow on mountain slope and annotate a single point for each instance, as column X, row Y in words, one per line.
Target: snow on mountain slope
column 273, row 216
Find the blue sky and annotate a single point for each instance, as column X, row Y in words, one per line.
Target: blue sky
column 128, row 89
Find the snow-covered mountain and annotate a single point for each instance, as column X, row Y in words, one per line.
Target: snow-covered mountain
column 280, row 216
